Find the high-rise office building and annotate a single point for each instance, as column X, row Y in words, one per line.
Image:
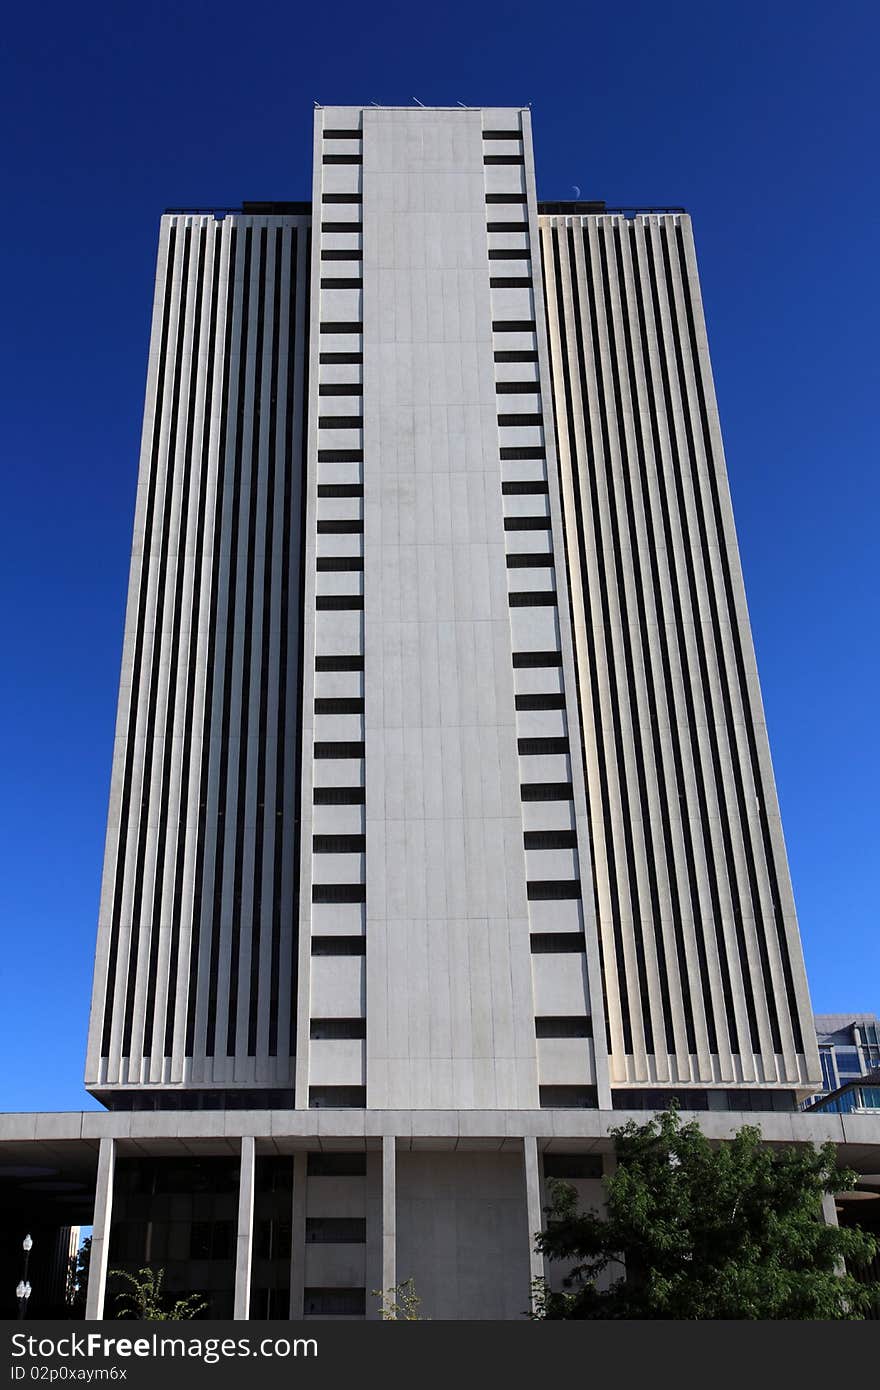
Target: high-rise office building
column 441, row 779
column 442, row 827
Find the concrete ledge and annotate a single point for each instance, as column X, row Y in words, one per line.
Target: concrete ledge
column 412, row 1128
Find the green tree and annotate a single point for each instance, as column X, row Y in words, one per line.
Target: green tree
column 78, row 1277
column 400, row 1304
column 696, row 1230
column 146, row 1301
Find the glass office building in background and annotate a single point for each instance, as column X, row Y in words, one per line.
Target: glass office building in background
column 849, row 1054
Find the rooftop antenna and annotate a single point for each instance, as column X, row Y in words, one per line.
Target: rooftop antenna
column 417, row 102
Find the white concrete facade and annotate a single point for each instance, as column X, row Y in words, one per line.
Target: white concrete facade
column 194, row 965
column 415, row 678
column 441, row 780
column 703, row 968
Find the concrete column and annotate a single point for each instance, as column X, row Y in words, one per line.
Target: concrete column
column 829, row 1217
column 244, row 1242
column 101, row 1229
column 389, row 1213
column 534, row 1209
column 298, row 1235
column 829, row 1210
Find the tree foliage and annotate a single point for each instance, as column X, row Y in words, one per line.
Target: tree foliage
column 78, row 1277
column 146, row 1301
column 696, row 1230
column 400, row 1304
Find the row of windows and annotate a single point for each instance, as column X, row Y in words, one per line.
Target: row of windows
column 546, row 1026
column 339, row 796
column 539, row 890
column 533, row 839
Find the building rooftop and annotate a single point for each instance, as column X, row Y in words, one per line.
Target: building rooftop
column 556, row 207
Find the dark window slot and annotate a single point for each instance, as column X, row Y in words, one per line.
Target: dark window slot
column 565, row 1026
column 339, row 603
column 519, row 453
column 503, row 158
column 530, row 660
column 567, row 1097
column 344, row 326
column 336, row 255
column 336, row 1230
column 338, row 893
column 510, row 282
column 533, row 702
column 555, row 701
column 508, row 255
column 525, row 488
column 337, row 1098
column 539, row 747
column 548, row 890
column 542, row 598
column 550, row 839
column 339, row 663
column 530, row 561
column 518, row 388
column 513, row 325
column 349, row 359
column 344, row 1164
column 343, row 1303
column 338, row 564
column 342, row 198
column 554, row 943
column 341, row 134
column 342, row 226
column 502, row 134
column 522, row 523
column 519, row 420
column 342, row 748
column 342, row 159
column 572, row 1165
column 493, row 199
column 339, row 844
column 338, row 1029
column 341, row 282
column 340, row 422
column 526, row 355
column 338, row 945
column 341, row 388
column 339, row 796
column 507, row 226
column 340, row 489
column 338, row 704
column 341, row 528
column 546, row 791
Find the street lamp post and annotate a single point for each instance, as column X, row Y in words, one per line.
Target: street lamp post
column 23, row 1288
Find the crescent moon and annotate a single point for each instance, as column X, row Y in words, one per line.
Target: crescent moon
column 577, row 191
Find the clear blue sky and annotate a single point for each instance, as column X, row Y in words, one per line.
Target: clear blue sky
column 760, row 118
